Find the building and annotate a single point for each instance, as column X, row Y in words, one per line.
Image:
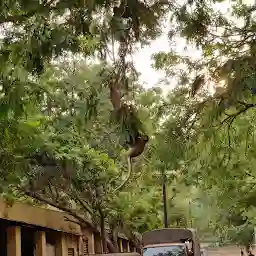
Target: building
column 27, row 230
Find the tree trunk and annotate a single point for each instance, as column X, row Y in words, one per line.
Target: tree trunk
column 190, row 215
column 165, row 203
column 102, row 231
column 111, row 247
column 115, row 236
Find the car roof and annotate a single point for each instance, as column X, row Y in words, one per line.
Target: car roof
column 163, row 245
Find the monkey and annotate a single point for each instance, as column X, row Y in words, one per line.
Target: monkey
column 135, row 150
column 138, row 147
column 126, row 114
column 137, row 141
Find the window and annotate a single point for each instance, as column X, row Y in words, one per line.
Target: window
column 172, row 250
column 85, row 246
column 71, row 252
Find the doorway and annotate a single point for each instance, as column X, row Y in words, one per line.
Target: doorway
column 3, row 237
column 51, row 242
column 27, row 241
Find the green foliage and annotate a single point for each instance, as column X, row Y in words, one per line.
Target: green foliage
column 58, row 107
column 69, row 125
column 221, row 161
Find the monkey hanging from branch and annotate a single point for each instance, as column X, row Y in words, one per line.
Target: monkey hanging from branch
column 125, row 113
column 134, row 151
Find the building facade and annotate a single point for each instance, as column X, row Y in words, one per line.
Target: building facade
column 27, row 230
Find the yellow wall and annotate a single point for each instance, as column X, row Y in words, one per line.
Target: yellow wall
column 70, row 236
column 38, row 216
column 62, row 243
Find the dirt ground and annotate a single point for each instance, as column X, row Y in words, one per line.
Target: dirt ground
column 224, row 251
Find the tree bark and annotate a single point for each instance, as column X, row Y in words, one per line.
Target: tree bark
column 165, row 203
column 115, row 236
column 111, row 247
column 102, row 231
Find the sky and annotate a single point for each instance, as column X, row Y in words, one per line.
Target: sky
column 143, row 61
column 142, row 58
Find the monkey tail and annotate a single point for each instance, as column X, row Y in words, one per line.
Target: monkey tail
column 128, row 175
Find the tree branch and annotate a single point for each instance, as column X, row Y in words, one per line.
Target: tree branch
column 62, row 208
column 231, row 118
column 83, row 203
column 72, row 221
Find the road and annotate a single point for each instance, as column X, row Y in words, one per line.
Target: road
column 224, row 251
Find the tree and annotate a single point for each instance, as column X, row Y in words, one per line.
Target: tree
column 73, row 147
column 221, row 160
column 65, row 123
column 51, row 29
column 59, row 109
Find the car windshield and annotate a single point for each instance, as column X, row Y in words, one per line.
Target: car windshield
column 171, row 250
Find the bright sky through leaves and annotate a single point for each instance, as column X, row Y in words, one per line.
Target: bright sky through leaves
column 143, row 61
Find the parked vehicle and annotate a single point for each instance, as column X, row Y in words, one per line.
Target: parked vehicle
column 171, row 242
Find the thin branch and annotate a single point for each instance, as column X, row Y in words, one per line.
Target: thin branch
column 247, row 138
column 50, row 189
column 72, row 221
column 229, row 140
column 83, row 203
column 231, row 117
column 57, row 194
column 249, row 174
column 62, row 208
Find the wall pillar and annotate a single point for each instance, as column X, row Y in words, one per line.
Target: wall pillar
column 128, row 246
column 40, row 241
column 61, row 246
column 91, row 244
column 121, row 244
column 81, row 245
column 14, row 241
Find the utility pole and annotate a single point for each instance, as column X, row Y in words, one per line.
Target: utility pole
column 190, row 215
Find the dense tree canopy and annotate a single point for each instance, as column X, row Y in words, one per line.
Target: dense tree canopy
column 72, row 103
